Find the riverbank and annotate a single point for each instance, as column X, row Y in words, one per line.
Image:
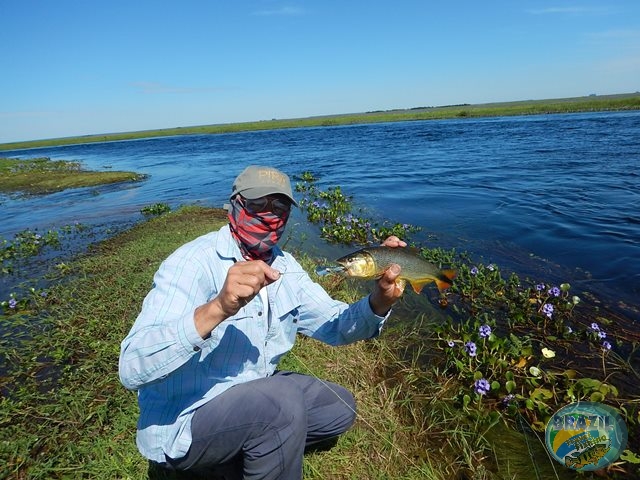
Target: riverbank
column 64, row 414
column 37, row 176
column 591, row 103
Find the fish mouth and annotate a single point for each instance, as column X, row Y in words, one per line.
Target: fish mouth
column 327, row 269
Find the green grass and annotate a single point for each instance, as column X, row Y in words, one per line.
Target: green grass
column 64, row 414
column 42, row 175
column 528, row 107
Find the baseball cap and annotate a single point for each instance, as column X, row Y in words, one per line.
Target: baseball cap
column 257, row 181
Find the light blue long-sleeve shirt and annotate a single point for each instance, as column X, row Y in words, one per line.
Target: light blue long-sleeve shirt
column 175, row 371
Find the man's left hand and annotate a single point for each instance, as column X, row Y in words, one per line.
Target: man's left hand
column 388, row 290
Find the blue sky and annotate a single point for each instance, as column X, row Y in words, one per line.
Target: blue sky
column 87, row 67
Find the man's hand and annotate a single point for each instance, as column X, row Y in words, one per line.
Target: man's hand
column 388, row 289
column 244, row 281
column 393, row 242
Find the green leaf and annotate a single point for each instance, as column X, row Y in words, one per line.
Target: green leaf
column 511, row 385
column 629, row 456
column 495, row 385
column 541, row 394
column 596, row 397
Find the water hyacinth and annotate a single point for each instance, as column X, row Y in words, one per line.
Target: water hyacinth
column 451, row 343
column 485, row 331
column 474, row 271
column 554, row 292
column 594, row 327
column 547, row 309
column 470, row 348
column 606, row 345
column 540, row 287
column 13, row 303
column 482, row 386
column 548, row 353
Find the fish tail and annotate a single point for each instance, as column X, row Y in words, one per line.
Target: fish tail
column 445, row 279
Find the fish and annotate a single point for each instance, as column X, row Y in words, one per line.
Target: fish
column 327, row 269
column 371, row 263
column 591, row 455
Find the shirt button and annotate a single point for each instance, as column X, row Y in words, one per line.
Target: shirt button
column 196, row 348
column 259, row 314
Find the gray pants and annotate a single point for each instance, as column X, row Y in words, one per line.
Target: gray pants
column 260, row 429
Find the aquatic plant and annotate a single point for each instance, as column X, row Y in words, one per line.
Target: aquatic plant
column 155, row 209
column 506, row 339
column 333, row 211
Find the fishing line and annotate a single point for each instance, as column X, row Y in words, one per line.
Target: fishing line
column 531, row 456
column 364, row 420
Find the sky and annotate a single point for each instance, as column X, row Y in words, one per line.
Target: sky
column 90, row 67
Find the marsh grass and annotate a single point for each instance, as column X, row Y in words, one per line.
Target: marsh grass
column 527, row 107
column 43, row 175
column 64, row 414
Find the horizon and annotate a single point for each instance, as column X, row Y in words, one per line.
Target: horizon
column 78, row 70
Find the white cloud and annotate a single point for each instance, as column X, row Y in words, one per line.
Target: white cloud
column 619, row 34
column 155, row 88
column 286, row 11
column 576, row 10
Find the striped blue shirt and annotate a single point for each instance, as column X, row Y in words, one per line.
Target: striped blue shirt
column 175, row 371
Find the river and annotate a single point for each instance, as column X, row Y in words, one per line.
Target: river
column 553, row 197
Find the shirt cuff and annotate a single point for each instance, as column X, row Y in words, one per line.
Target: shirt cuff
column 189, row 337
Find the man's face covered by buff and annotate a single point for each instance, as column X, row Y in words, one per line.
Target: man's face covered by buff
column 256, row 231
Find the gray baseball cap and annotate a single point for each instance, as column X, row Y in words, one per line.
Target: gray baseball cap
column 257, row 181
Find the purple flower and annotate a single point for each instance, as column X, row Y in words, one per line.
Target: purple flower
column 508, row 399
column 485, row 331
column 491, row 267
column 482, row 386
column 471, row 348
column 595, row 327
column 602, row 334
column 606, row 345
column 554, row 292
column 547, row 309
column 540, row 287
column 451, row 343
column 474, row 270
column 13, row 303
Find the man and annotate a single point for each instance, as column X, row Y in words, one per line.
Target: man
column 203, row 351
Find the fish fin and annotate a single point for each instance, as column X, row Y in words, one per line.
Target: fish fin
column 418, row 285
column 401, row 283
column 445, row 279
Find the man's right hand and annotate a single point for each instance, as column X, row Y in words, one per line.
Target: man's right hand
column 244, row 281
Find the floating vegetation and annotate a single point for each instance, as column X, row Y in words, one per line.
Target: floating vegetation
column 43, row 175
column 155, row 209
column 514, row 348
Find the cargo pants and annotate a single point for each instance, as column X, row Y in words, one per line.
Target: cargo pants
column 260, row 429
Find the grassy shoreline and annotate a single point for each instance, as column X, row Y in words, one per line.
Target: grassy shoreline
column 594, row 103
column 37, row 176
column 67, row 416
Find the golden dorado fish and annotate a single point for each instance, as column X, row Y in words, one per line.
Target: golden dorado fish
column 371, row 262
column 591, row 455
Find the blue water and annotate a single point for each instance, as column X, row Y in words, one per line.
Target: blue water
column 554, row 197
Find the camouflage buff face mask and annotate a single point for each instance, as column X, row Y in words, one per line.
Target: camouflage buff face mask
column 255, row 232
